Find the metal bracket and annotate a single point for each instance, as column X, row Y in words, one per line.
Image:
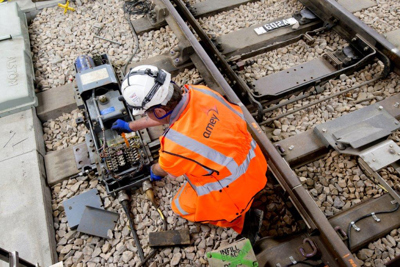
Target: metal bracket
column 355, row 227
column 180, row 55
column 157, row 15
column 357, row 129
column 381, row 155
column 375, row 217
column 81, row 154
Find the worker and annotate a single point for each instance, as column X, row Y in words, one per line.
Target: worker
column 207, row 142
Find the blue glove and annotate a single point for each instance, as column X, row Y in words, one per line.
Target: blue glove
column 154, row 177
column 121, row 126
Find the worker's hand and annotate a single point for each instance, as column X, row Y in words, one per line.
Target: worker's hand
column 121, row 126
column 154, row 177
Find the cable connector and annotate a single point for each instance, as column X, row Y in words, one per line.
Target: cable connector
column 122, row 196
column 355, row 226
column 375, row 217
column 292, row 260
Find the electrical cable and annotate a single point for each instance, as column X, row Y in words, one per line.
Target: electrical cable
column 135, row 7
column 135, row 236
column 366, row 216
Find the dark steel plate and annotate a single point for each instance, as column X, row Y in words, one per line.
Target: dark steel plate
column 97, row 221
column 169, row 238
column 280, row 82
column 75, row 206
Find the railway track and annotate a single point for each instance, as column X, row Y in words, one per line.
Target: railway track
column 298, row 81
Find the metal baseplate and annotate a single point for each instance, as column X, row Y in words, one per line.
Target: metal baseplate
column 352, row 133
column 363, row 133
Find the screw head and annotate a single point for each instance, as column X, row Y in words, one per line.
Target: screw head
column 380, row 107
column 324, row 130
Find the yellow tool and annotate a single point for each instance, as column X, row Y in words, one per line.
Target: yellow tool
column 66, row 7
column 148, row 188
column 164, row 238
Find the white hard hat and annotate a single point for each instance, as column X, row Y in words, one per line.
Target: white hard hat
column 146, row 86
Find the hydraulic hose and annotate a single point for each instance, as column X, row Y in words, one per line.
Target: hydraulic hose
column 125, row 205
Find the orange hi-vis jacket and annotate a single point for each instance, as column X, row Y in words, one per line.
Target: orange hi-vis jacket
column 209, row 144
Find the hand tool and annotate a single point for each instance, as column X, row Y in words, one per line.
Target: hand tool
column 164, row 238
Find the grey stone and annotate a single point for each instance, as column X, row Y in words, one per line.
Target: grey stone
column 176, row 259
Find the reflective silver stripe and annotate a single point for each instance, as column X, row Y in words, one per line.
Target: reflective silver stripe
column 202, row 150
column 215, row 186
column 176, row 201
column 215, row 156
column 220, row 99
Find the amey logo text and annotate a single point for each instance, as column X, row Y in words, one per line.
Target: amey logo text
column 211, row 124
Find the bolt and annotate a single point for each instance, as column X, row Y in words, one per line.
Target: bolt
column 354, row 39
column 324, row 130
column 396, row 122
column 380, row 107
column 391, row 151
column 373, row 160
column 291, row 147
column 103, row 99
column 176, row 60
column 172, row 52
column 390, row 146
column 366, row 48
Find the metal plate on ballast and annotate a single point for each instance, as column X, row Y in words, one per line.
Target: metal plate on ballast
column 381, row 155
column 97, row 221
column 75, row 206
column 281, row 82
column 81, row 154
column 357, row 129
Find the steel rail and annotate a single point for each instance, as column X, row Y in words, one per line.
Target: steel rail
column 277, row 164
column 348, row 25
